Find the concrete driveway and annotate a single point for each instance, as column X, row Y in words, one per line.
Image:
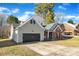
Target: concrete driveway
column 51, row 49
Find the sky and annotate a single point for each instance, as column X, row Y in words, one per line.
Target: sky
column 25, row 10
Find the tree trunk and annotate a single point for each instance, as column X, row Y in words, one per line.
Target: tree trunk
column 11, row 32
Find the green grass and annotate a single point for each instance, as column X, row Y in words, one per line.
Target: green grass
column 73, row 42
column 7, row 47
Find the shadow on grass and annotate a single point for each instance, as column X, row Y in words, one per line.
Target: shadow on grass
column 66, row 38
column 34, row 42
column 6, row 43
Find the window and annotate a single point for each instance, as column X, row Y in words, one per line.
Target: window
column 32, row 21
column 68, row 33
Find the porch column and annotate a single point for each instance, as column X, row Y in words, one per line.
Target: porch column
column 48, row 35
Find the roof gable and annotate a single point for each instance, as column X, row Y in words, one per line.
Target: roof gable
column 53, row 26
column 48, row 27
column 32, row 18
column 58, row 28
column 67, row 27
column 73, row 26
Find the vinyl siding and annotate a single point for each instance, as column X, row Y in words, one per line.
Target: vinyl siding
column 29, row 28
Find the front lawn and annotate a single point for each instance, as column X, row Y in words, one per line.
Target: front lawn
column 73, row 42
column 7, row 47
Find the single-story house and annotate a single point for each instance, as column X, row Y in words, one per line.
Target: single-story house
column 31, row 30
column 68, row 30
column 59, row 31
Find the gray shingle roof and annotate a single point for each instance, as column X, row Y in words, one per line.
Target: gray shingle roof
column 51, row 26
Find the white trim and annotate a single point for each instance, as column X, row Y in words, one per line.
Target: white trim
column 57, row 27
column 51, row 26
column 48, row 34
column 40, row 25
column 24, row 23
column 27, row 21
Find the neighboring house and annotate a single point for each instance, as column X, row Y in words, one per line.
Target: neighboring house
column 59, row 31
column 68, row 30
column 31, row 30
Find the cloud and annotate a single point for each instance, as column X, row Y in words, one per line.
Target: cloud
column 70, row 17
column 73, row 17
column 26, row 15
column 64, row 18
column 4, row 10
column 29, row 12
column 77, row 17
column 62, row 7
column 7, row 11
column 15, row 11
column 65, row 4
column 23, row 17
